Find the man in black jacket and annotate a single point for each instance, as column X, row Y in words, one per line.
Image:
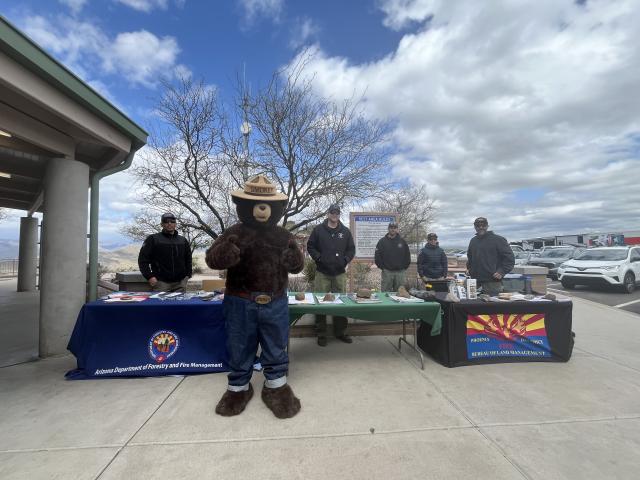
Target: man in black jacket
column 489, row 258
column 392, row 258
column 432, row 261
column 331, row 246
column 165, row 258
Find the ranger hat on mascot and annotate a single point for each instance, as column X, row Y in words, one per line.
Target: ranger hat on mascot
column 259, row 188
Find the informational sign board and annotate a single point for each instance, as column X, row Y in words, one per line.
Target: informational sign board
column 367, row 229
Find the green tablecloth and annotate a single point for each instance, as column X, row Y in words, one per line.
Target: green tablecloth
column 385, row 311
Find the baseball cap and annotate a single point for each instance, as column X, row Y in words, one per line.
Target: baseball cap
column 480, row 221
column 334, row 207
column 167, row 216
column 432, row 236
column 393, row 224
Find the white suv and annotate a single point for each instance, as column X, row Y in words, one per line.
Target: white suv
column 603, row 266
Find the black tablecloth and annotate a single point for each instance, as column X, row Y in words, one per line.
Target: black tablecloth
column 475, row 332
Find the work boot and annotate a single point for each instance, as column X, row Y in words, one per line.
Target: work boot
column 322, row 341
column 345, row 338
column 233, row 403
column 281, row 401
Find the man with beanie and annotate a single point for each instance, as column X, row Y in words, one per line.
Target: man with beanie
column 165, row 258
column 392, row 258
column 432, row 261
column 489, row 258
column 331, row 246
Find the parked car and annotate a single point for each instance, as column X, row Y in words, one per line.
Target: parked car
column 460, row 255
column 553, row 257
column 522, row 258
column 618, row 266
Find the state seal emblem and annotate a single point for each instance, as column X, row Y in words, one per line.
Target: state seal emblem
column 162, row 345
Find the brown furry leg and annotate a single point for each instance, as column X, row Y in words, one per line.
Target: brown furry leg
column 233, row 403
column 281, row 401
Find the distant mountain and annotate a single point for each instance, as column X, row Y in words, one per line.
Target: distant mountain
column 113, row 246
column 9, row 248
column 126, row 258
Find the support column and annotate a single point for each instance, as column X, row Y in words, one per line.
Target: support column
column 28, row 256
column 64, row 252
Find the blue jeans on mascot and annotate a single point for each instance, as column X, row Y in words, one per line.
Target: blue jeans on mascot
column 249, row 324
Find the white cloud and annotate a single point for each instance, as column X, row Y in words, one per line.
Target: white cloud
column 492, row 99
column 255, row 9
column 75, row 5
column 140, row 57
column 145, row 5
column 402, row 13
column 304, row 30
column 119, row 201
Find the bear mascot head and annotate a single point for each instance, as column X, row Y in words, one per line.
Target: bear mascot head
column 258, row 256
column 259, row 205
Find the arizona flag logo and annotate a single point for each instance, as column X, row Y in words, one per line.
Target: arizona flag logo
column 162, row 345
column 507, row 335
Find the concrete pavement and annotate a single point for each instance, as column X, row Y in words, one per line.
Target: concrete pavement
column 368, row 412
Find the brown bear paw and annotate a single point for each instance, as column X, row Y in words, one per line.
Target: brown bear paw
column 233, row 403
column 281, row 401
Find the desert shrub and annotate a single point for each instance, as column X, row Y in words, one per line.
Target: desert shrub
column 298, row 284
column 364, row 276
column 309, row 271
column 195, row 266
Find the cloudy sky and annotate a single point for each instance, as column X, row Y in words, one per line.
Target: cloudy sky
column 525, row 112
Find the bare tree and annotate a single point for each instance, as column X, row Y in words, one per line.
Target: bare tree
column 318, row 150
column 415, row 209
column 147, row 222
column 185, row 167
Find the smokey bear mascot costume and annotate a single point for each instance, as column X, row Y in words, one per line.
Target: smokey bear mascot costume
column 258, row 256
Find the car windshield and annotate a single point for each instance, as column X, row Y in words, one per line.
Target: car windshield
column 521, row 254
column 605, row 255
column 559, row 253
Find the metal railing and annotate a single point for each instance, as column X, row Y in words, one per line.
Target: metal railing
column 8, row 267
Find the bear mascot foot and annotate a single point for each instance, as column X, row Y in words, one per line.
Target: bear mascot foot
column 233, row 403
column 281, row 401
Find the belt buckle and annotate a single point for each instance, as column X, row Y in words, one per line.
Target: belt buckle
column 262, row 299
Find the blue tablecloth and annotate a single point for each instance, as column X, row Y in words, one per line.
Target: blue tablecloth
column 149, row 338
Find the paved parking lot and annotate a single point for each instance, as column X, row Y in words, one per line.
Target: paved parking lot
column 612, row 297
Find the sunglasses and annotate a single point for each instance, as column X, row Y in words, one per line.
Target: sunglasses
column 169, row 221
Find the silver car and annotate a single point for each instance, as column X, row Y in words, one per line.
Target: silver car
column 554, row 257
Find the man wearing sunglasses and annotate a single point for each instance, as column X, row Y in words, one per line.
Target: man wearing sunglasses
column 165, row 258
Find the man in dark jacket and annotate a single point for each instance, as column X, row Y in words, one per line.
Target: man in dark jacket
column 432, row 261
column 392, row 257
column 489, row 258
column 331, row 246
column 165, row 258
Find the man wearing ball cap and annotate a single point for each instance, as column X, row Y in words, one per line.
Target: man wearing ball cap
column 489, row 258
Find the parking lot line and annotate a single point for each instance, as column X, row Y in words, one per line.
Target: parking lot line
column 625, row 304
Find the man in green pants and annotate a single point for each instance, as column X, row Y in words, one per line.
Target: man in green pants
column 331, row 247
column 392, row 257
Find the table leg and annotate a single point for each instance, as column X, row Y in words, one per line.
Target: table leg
column 415, row 340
